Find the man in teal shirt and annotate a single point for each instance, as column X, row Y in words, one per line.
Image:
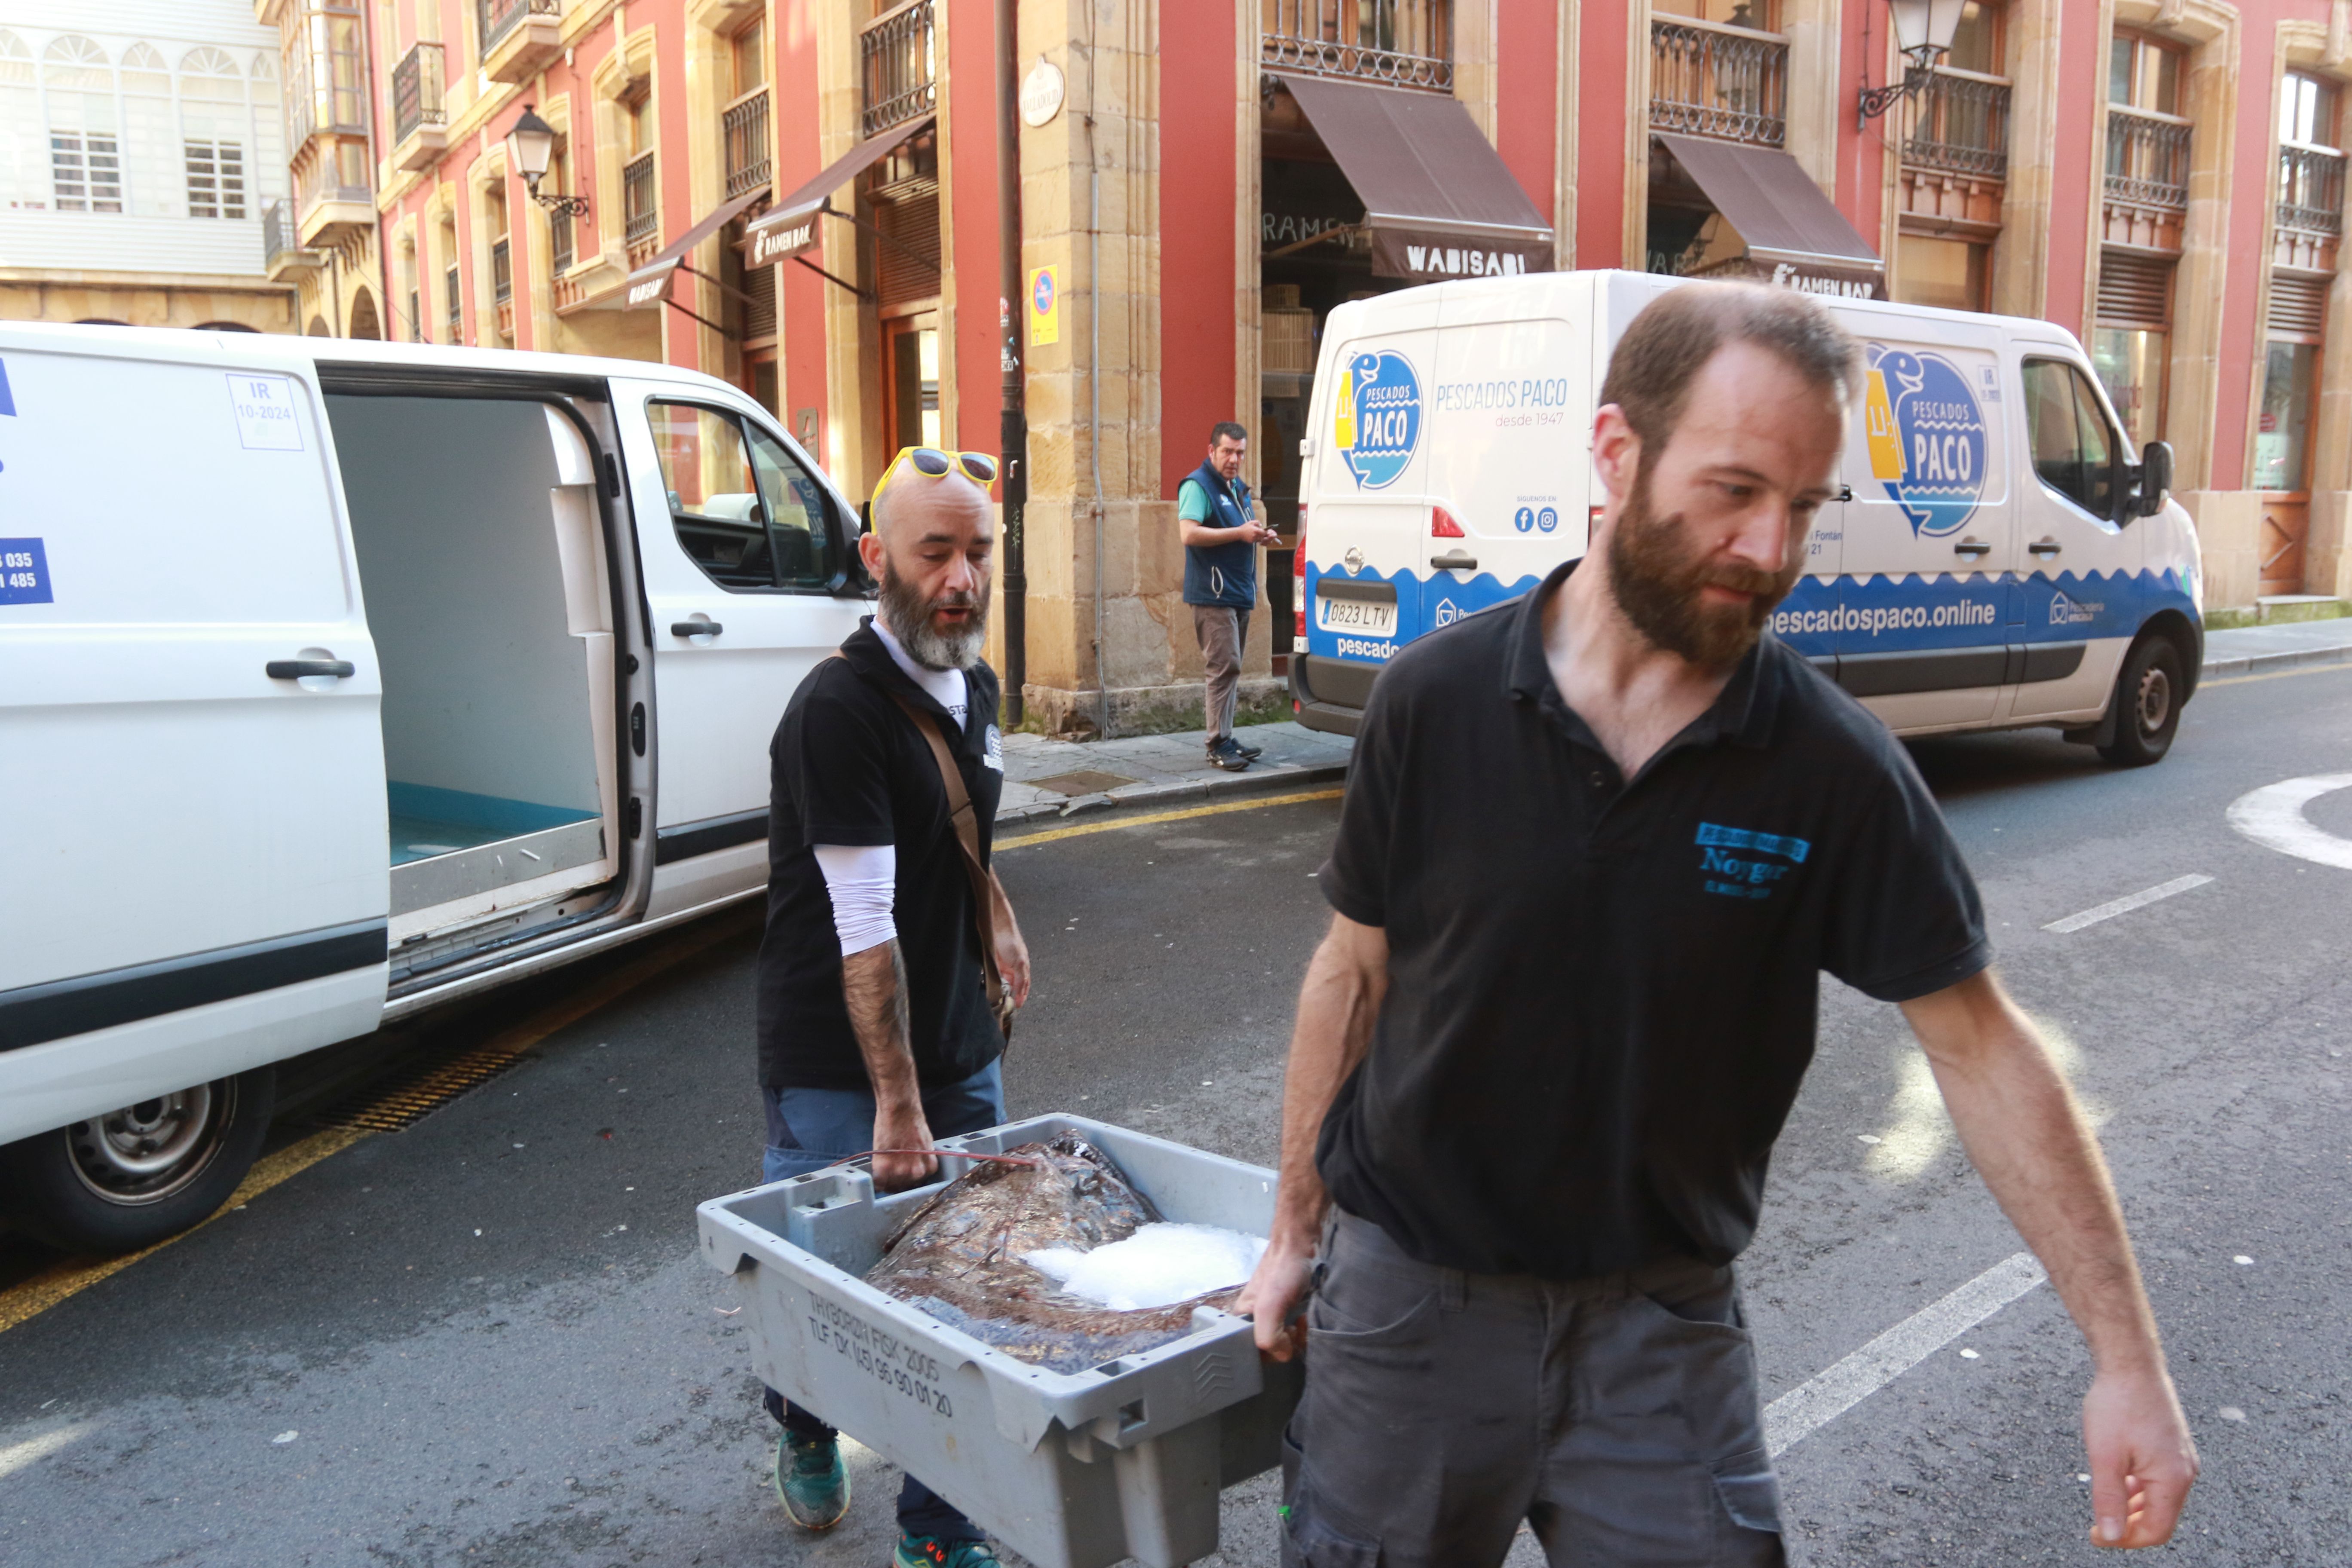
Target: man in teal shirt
column 1222, row 534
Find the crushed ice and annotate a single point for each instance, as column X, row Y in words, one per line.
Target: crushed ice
column 1161, row 1265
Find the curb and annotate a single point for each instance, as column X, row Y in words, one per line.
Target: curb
column 1279, row 776
column 2248, row 664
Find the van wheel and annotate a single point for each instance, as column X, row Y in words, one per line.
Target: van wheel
column 2147, row 704
column 134, row 1176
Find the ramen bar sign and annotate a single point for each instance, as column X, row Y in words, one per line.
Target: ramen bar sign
column 779, row 239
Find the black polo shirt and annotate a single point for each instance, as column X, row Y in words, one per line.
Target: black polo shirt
column 848, row 767
column 1602, row 992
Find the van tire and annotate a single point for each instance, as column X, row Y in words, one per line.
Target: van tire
column 91, row 1187
column 2148, row 697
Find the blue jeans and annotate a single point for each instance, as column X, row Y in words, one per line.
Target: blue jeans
column 809, row 1129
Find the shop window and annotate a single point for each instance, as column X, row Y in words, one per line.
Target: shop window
column 1949, row 274
column 747, row 513
column 2073, row 449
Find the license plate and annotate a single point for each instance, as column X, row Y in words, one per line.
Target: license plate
column 1369, row 618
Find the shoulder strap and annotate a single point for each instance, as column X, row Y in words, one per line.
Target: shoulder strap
column 966, row 835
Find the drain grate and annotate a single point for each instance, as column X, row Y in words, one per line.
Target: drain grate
column 1084, row 782
column 424, row 1090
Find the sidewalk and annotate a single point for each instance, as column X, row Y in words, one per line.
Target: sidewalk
column 1046, row 777
column 2249, row 648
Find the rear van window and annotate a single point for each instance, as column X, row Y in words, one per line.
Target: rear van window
column 747, row 510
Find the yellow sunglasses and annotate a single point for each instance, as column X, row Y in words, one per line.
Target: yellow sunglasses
column 933, row 464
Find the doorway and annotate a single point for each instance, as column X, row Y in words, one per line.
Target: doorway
column 910, row 361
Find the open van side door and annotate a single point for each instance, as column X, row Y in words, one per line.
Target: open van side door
column 189, row 742
column 749, row 576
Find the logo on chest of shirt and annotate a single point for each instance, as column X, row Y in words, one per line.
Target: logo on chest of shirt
column 1741, row 863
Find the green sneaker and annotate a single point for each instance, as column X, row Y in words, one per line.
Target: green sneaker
column 931, row 1552
column 811, row 1482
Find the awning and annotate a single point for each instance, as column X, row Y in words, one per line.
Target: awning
column 1436, row 196
column 649, row 284
column 788, row 227
column 1787, row 230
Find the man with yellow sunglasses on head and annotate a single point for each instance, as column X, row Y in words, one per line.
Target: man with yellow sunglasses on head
column 879, row 965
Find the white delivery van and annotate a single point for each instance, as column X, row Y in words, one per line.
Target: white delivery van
column 341, row 679
column 1999, row 555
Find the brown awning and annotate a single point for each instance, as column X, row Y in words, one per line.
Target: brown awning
column 1788, row 230
column 1436, row 196
column 789, row 227
column 649, row 284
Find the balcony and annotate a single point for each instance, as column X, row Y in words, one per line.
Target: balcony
column 419, row 122
column 2310, row 207
column 743, row 128
column 502, row 285
column 897, row 57
column 1399, row 43
column 1724, row 82
column 520, row 38
column 559, row 241
column 640, row 212
column 1956, row 152
column 2146, row 179
column 327, row 213
column 282, row 255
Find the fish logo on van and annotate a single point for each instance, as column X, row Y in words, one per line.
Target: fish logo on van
column 1925, row 429
column 1376, row 424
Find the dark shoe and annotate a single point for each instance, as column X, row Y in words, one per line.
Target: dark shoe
column 1252, row 752
column 811, row 1482
column 931, row 1552
column 1227, row 755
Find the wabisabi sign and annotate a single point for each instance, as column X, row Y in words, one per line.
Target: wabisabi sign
column 1427, row 257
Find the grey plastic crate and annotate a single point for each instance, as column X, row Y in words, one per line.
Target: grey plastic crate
column 1070, row 1469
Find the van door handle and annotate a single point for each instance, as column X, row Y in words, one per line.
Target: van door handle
column 1455, row 561
column 2044, row 547
column 301, row 668
column 695, row 628
column 1973, row 548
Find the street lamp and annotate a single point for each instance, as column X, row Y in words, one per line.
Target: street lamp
column 1923, row 33
column 529, row 146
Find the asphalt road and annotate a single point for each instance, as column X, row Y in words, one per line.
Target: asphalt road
column 488, row 1338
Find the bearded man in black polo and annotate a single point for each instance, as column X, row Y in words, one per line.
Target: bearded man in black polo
column 1597, row 848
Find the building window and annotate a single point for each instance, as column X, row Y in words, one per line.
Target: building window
column 2131, row 363
column 2143, row 73
column 452, row 309
column 1949, row 274
column 216, row 179
column 2290, row 376
column 743, row 125
column 898, row 54
column 1978, row 43
column 560, row 239
column 1711, row 75
column 1400, row 43
column 85, row 172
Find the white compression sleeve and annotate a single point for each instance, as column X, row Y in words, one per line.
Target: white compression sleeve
column 863, row 883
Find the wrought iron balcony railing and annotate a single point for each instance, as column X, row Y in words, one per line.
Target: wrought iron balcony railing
column 501, row 271
column 1959, row 124
column 278, row 237
column 898, row 54
column 1402, row 43
column 494, row 19
column 1725, row 82
column 2311, row 189
column 640, row 215
column 2148, row 160
column 559, row 240
column 416, row 91
column 455, row 309
column 743, row 127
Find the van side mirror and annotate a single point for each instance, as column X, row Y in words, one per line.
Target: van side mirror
column 2155, row 479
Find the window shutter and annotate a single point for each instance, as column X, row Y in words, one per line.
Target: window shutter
column 913, row 221
column 760, row 312
column 2134, row 290
column 2298, row 307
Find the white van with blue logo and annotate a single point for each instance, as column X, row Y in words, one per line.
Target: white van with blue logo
column 1999, row 555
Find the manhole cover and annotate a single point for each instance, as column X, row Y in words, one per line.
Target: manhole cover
column 1084, row 782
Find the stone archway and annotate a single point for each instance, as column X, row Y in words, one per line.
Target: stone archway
column 365, row 324
column 225, row 327
column 319, row 328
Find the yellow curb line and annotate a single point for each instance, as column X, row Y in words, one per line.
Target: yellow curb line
column 71, row 1275
column 1111, row 823
column 2274, row 675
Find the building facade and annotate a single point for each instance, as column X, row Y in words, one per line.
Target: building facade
column 801, row 196
column 319, row 232
column 139, row 145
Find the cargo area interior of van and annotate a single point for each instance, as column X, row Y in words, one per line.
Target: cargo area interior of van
column 482, row 564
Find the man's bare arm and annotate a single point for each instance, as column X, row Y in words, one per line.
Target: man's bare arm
column 874, row 984
column 2021, row 1127
column 1337, row 1005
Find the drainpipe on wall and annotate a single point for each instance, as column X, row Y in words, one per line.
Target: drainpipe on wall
column 1014, row 438
column 1094, row 392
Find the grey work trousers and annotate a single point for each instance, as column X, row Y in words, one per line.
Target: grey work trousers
column 1617, row 1415
column 1222, row 630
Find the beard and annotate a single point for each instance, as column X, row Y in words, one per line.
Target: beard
column 909, row 616
column 1655, row 576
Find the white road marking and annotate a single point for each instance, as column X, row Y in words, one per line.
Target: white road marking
column 2273, row 817
column 16, row 1455
column 1823, row 1397
column 2131, row 902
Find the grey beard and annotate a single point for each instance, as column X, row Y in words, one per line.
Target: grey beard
column 909, row 617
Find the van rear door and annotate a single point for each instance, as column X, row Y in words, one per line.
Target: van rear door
column 189, row 747
column 746, row 554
